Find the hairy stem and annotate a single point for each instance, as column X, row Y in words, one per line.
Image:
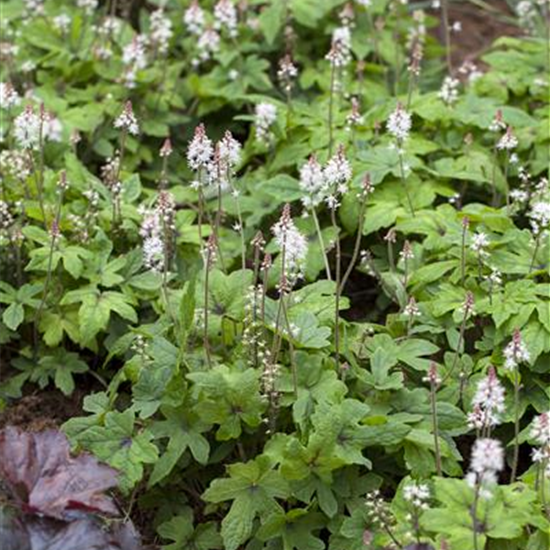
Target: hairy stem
column 338, row 290
column 435, row 428
column 447, row 32
column 331, row 108
column 515, row 459
column 403, row 179
column 321, row 243
column 357, row 246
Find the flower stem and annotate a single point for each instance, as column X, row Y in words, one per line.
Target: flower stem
column 535, row 252
column 447, row 30
column 357, row 247
column 515, row 459
column 403, row 179
column 474, row 512
column 338, row 290
column 321, row 243
column 331, row 108
column 435, row 428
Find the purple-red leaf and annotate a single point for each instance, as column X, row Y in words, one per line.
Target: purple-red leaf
column 30, row 533
column 41, row 474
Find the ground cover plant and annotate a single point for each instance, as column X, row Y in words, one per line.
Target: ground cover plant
column 292, row 257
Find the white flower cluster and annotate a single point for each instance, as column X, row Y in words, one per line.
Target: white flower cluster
column 160, row 31
column 411, row 309
column 27, row 127
column 495, row 277
column 527, row 13
column 480, row 242
column 508, row 142
column 6, row 221
column 354, row 118
column 62, row 22
column 399, row 123
column 340, row 50
column 337, row 175
column 325, row 184
column 134, row 58
column 287, row 73
column 406, row 252
column 265, row 115
column 312, row 183
column 156, row 227
column 470, row 70
column 497, row 124
column 14, row 163
column 52, row 128
column 208, row 44
column 486, row 462
column 516, row 352
column 416, row 35
column 225, row 17
column 194, row 19
column 8, row 96
column 539, row 215
column 34, row 7
column 229, row 150
column 418, row 494
column 448, row 92
column 539, row 208
column 127, row 120
column 214, row 164
column 540, row 432
column 292, row 245
column 488, row 403
column 200, row 150
column 89, row 6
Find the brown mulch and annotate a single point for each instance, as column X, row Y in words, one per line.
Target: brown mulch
column 42, row 410
column 480, row 28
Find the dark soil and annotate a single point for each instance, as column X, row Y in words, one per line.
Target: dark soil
column 480, row 28
column 42, row 410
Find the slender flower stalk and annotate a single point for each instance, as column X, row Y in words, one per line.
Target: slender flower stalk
column 337, row 174
column 434, row 380
column 314, row 186
column 211, row 249
column 487, row 405
column 508, row 142
column 399, row 126
column 540, row 432
column 497, row 124
column 164, row 153
column 516, row 353
column 390, row 237
column 321, row 243
column 414, row 71
column 127, row 123
column 406, row 255
column 379, row 514
column 293, row 250
column 468, row 310
column 365, row 191
column 54, row 235
column 486, row 462
column 199, row 155
column 338, row 290
column 447, row 32
column 417, row 496
column 465, row 226
column 330, row 122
